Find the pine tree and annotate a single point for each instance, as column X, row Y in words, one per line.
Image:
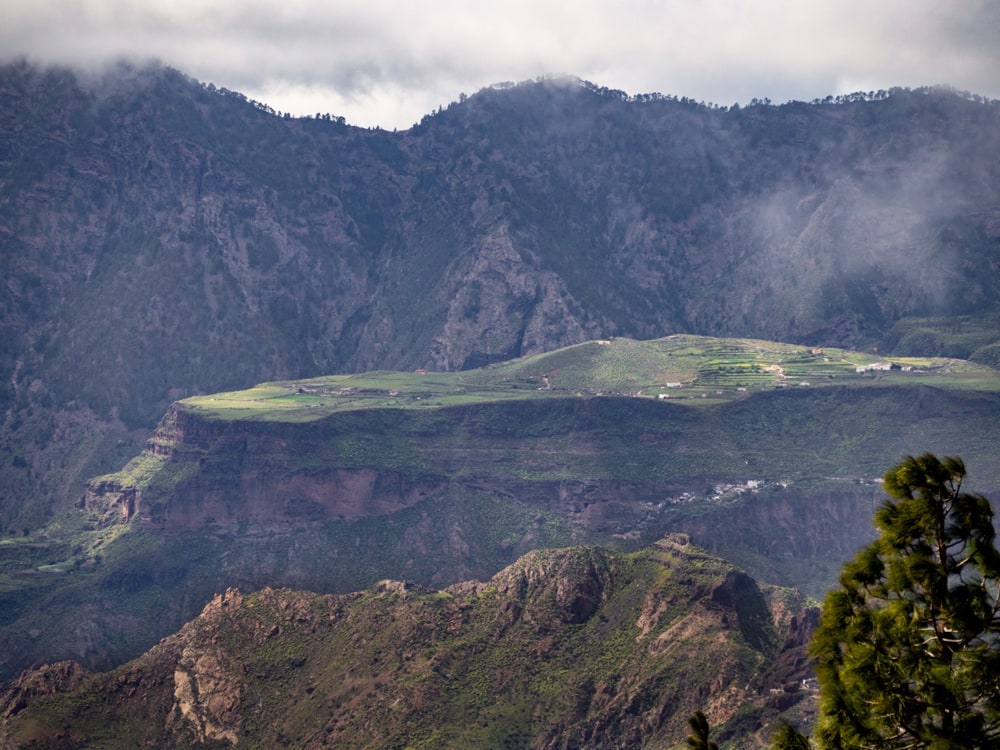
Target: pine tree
column 788, row 737
column 908, row 647
column 699, row 733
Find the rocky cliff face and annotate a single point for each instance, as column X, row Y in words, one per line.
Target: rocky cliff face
column 578, row 647
column 438, row 494
column 195, row 473
column 746, row 479
column 161, row 238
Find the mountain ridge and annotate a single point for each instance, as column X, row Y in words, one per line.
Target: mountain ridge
column 163, row 239
column 330, row 484
column 163, row 242
column 579, row 645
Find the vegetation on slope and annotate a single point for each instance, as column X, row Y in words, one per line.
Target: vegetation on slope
column 457, row 474
column 676, row 367
column 574, row 647
column 164, row 239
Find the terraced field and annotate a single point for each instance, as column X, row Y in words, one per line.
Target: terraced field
column 767, row 453
column 697, row 369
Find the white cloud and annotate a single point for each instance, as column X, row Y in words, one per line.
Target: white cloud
column 389, row 63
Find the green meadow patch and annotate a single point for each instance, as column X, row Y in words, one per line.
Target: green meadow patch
column 697, row 370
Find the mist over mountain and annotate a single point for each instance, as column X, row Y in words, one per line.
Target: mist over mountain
column 160, row 238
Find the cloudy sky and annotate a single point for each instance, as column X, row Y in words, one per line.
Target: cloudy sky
column 389, row 62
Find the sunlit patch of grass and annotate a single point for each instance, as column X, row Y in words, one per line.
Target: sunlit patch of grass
column 698, row 370
column 60, row 567
column 138, row 472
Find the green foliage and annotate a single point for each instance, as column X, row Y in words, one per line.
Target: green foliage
column 988, row 355
column 695, row 371
column 908, row 648
column 698, row 740
column 524, row 219
column 492, row 467
column 575, row 647
column 965, row 337
column 788, row 737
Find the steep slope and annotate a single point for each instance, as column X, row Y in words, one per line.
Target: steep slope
column 161, row 238
column 334, row 483
column 569, row 648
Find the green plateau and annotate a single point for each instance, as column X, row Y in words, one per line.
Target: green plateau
column 766, row 454
column 678, row 366
column 456, row 332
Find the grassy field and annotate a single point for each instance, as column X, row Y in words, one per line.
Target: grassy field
column 694, row 369
column 609, row 442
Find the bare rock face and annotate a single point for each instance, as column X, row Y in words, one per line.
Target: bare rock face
column 502, row 305
column 32, row 685
column 205, row 699
column 251, row 485
column 111, row 502
column 207, row 695
column 603, row 650
column 571, row 587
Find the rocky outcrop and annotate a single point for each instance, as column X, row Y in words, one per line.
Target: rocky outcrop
column 110, row 501
column 575, row 647
column 207, row 696
column 36, row 684
column 571, row 587
column 501, row 305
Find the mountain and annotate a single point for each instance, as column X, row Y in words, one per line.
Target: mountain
column 161, row 238
column 579, row 647
column 766, row 454
column 493, row 287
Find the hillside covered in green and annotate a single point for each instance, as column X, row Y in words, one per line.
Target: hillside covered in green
column 677, row 367
column 239, row 350
column 766, row 454
column 163, row 238
column 580, row 647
